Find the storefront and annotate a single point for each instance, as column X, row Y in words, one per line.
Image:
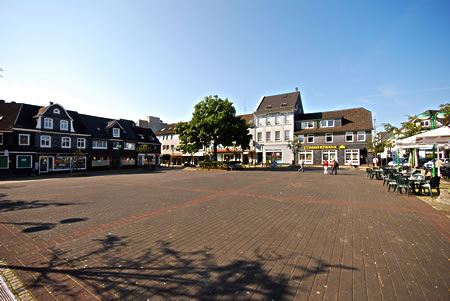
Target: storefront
column 273, row 155
column 317, row 154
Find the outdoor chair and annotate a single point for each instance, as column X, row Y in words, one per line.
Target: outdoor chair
column 392, row 182
column 402, row 182
column 369, row 173
column 386, row 173
column 434, row 183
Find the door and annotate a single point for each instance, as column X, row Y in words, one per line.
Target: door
column 43, row 164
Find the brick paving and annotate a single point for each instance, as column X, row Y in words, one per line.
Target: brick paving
column 241, row 235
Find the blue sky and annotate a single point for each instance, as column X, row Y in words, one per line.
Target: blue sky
column 129, row 59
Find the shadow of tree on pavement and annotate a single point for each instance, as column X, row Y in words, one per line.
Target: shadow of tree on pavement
column 115, row 271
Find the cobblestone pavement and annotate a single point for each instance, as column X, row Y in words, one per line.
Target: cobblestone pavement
column 199, row 235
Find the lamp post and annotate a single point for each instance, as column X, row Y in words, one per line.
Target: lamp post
column 426, row 116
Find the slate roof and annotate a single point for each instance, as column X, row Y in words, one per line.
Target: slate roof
column 98, row 127
column 26, row 119
column 352, row 120
column 277, row 103
column 145, row 135
column 9, row 111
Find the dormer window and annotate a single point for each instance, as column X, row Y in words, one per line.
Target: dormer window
column 308, row 125
column 268, row 107
column 56, row 111
column 48, row 123
column 116, row 132
column 283, row 105
column 64, row 125
column 327, row 123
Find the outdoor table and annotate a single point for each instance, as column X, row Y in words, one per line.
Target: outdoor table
column 378, row 174
column 416, row 182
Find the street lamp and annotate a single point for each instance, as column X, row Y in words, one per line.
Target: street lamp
column 426, row 116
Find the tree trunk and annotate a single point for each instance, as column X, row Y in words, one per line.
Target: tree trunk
column 215, row 151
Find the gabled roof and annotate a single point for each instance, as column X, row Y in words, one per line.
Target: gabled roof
column 111, row 123
column 9, row 113
column 42, row 110
column 276, row 103
column 97, row 126
column 352, row 120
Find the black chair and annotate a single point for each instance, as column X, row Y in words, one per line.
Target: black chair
column 402, row 182
column 433, row 184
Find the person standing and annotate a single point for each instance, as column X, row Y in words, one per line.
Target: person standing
column 325, row 167
column 302, row 165
column 332, row 166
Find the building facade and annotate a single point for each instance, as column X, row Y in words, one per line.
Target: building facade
column 275, row 118
column 49, row 139
column 335, row 135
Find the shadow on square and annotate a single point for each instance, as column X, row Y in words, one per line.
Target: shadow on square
column 168, row 273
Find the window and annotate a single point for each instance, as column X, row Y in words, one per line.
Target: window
column 310, row 138
column 301, row 138
column 259, row 136
column 62, row 163
column 23, row 161
column 48, row 123
column 65, row 142
column 260, row 121
column 172, row 148
column 307, row 156
column 287, row 135
column 287, row 120
column 308, row 125
column 64, row 125
column 116, row 145
column 329, row 137
column 130, row 145
column 268, row 118
column 24, row 139
column 361, row 136
column 99, row 144
column 329, row 155
column 1, row 138
column 268, row 138
column 116, row 132
column 349, row 137
column 277, row 136
column 56, row 111
column 352, row 157
column 81, row 143
column 46, row 141
column 327, row 123
column 277, row 119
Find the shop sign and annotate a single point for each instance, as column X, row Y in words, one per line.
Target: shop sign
column 324, row 147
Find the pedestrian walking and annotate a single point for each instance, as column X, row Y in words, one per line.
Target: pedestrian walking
column 335, row 167
column 325, row 167
column 302, row 165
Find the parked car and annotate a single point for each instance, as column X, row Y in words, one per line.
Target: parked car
column 429, row 164
column 403, row 162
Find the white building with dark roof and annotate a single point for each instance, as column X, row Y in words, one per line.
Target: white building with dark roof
column 275, row 118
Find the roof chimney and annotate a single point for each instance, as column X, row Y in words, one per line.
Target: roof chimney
column 51, row 102
column 296, row 89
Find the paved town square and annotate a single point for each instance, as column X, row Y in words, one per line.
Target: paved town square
column 176, row 234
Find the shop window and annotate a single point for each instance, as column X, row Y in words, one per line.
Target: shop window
column 24, row 139
column 307, row 156
column 329, row 155
column 24, row 161
column 130, row 146
column 4, row 162
column 329, row 138
column 61, row 163
column 361, row 136
column 349, row 137
column 274, row 155
column 352, row 157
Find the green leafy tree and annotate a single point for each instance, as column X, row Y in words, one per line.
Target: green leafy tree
column 295, row 146
column 188, row 142
column 146, row 149
column 445, row 108
column 214, row 121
